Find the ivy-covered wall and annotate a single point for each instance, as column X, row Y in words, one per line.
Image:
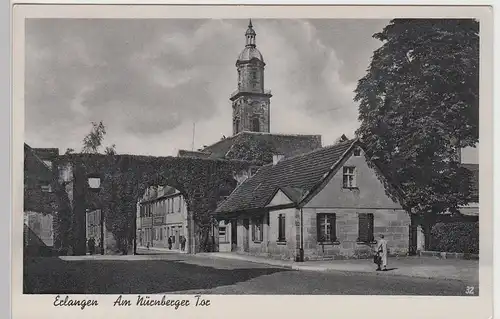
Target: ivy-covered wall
column 124, row 178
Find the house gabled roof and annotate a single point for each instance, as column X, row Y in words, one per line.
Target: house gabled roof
column 296, row 176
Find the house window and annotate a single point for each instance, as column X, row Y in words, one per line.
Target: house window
column 257, row 230
column 222, row 234
column 349, row 180
column 327, row 227
column 365, row 228
column 255, row 124
column 357, row 151
column 281, row 227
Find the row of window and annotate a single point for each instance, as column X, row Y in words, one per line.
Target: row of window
column 166, row 206
column 326, row 228
column 161, row 233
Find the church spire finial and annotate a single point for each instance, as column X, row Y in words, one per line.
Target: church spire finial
column 250, row 34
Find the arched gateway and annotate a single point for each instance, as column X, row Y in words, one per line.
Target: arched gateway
column 114, row 183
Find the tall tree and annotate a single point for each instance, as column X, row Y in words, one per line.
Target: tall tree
column 418, row 106
column 92, row 142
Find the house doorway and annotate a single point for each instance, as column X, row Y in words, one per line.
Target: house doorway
column 234, row 235
column 246, row 226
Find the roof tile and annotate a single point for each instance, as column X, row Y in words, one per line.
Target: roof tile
column 301, row 172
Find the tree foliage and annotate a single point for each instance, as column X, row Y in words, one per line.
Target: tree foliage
column 418, row 105
column 252, row 150
column 92, row 142
column 125, row 178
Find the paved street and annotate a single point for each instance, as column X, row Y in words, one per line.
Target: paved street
column 179, row 273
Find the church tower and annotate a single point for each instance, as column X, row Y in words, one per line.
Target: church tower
column 251, row 101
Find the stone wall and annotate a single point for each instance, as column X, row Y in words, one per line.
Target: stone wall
column 287, row 249
column 245, row 108
column 251, row 77
column 393, row 223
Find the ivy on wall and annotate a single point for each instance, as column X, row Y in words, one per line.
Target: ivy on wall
column 124, row 179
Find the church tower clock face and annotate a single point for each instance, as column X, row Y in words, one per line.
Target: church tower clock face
column 251, row 101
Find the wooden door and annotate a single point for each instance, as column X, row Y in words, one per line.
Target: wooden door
column 246, row 235
column 234, row 235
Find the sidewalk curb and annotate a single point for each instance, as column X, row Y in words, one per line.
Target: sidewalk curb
column 299, row 267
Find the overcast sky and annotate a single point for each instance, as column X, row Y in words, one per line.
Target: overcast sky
column 150, row 80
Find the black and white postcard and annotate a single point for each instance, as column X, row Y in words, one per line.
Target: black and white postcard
column 232, row 161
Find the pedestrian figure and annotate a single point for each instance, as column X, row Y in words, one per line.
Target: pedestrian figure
column 91, row 245
column 170, row 242
column 382, row 253
column 88, row 246
column 183, row 243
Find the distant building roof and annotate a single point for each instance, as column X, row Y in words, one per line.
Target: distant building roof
column 296, row 177
column 260, row 147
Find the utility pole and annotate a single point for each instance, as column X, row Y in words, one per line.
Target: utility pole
column 194, row 130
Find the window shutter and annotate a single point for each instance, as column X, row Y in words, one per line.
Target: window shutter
column 280, row 225
column 333, row 227
column 318, row 227
column 363, row 229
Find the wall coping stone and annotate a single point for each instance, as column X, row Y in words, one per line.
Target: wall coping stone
column 448, row 255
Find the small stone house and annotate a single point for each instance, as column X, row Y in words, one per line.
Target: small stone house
column 330, row 203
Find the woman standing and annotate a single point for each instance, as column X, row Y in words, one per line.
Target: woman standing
column 382, row 252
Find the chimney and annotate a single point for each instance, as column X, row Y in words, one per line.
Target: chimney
column 277, row 158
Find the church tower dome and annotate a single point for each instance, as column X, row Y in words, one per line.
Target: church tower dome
column 250, row 51
column 251, row 102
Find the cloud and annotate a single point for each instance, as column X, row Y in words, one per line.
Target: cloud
column 150, row 80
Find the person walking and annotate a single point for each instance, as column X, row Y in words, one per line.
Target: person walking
column 183, row 243
column 91, row 245
column 382, row 253
column 170, row 242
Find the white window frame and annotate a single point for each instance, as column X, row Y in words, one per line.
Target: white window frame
column 346, row 172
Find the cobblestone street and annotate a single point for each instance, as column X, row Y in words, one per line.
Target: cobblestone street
column 179, row 273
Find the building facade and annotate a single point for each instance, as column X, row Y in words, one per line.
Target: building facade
column 333, row 204
column 40, row 204
column 162, row 215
